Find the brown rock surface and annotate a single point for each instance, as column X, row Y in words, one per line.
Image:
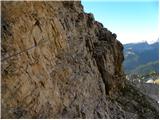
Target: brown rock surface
column 58, row 62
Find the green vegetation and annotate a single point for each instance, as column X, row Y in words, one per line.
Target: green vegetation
column 147, row 68
column 141, row 58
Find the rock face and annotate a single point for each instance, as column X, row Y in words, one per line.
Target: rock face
column 58, row 62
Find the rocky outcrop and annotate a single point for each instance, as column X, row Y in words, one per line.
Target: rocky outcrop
column 58, row 62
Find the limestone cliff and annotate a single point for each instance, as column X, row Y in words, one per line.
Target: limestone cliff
column 58, row 62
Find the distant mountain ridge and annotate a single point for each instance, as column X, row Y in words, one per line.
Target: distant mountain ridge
column 141, row 58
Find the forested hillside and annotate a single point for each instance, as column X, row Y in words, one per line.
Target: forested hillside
column 141, row 58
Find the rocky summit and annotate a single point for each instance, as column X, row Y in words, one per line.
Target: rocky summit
column 58, row 62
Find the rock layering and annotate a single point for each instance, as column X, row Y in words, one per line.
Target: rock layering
column 58, row 62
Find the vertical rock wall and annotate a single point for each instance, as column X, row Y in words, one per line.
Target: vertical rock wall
column 58, row 62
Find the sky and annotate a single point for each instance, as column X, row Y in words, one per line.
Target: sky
column 132, row 20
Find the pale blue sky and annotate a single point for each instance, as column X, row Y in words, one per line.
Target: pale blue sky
column 132, row 21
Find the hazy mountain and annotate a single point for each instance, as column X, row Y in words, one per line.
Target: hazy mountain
column 141, row 57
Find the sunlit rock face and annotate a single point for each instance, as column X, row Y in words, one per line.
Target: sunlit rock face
column 58, row 62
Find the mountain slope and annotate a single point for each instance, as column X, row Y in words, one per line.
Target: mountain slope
column 58, row 62
column 141, row 58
